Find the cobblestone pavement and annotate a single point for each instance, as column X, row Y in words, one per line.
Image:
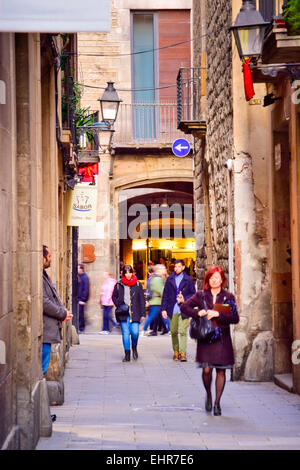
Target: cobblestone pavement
column 156, row 403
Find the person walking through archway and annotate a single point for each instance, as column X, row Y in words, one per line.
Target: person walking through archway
column 156, row 287
column 128, row 297
column 107, row 303
column 178, row 287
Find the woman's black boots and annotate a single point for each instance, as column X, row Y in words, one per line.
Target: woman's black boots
column 217, row 410
column 127, row 356
column 134, row 353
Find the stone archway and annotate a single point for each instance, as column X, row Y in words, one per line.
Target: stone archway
column 131, row 170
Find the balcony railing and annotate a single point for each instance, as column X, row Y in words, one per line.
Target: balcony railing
column 270, row 8
column 189, row 91
column 147, row 124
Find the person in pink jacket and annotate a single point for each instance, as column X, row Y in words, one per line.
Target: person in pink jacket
column 106, row 302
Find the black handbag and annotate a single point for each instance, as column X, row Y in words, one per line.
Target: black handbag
column 122, row 312
column 202, row 329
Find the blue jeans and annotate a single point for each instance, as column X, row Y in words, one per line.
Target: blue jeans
column 46, row 353
column 107, row 317
column 152, row 314
column 129, row 329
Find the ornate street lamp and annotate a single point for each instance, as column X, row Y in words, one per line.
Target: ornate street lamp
column 109, row 103
column 100, row 134
column 249, row 31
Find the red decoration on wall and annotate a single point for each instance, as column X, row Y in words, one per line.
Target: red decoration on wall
column 248, row 83
column 88, row 170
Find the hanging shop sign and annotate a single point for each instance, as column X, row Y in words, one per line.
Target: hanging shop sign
column 69, row 16
column 82, row 205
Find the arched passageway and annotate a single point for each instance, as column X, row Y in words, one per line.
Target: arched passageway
column 156, row 225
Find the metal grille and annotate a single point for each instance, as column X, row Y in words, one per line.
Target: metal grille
column 147, row 123
column 189, row 94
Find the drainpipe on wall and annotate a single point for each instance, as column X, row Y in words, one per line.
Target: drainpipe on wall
column 229, row 165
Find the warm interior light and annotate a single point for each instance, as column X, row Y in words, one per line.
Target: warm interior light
column 138, row 244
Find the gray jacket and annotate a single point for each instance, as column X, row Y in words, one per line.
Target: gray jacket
column 53, row 312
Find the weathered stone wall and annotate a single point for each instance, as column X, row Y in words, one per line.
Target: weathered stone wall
column 239, row 131
column 252, row 222
column 7, row 242
column 219, row 114
column 24, row 410
column 95, row 71
column 210, row 174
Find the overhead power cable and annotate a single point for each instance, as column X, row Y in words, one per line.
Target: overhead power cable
column 138, row 89
column 86, row 54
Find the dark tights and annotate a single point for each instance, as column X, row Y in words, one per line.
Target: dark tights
column 220, row 382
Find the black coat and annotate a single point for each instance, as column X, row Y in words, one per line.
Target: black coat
column 221, row 351
column 83, row 287
column 187, row 288
column 137, row 300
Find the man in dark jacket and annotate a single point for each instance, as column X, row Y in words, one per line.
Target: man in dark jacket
column 178, row 287
column 54, row 313
column 83, row 294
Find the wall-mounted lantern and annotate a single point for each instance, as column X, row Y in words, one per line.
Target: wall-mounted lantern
column 249, row 32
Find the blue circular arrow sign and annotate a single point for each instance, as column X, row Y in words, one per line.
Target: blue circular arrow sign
column 181, row 148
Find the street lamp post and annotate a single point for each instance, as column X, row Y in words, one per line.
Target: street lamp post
column 109, row 103
column 102, row 132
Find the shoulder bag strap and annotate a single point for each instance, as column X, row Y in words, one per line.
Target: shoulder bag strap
column 204, row 301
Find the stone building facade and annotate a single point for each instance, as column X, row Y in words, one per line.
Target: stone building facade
column 133, row 165
column 235, row 203
column 32, row 211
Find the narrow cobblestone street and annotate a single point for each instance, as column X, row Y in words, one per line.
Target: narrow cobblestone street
column 156, row 403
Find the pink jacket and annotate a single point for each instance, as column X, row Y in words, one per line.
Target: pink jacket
column 107, row 290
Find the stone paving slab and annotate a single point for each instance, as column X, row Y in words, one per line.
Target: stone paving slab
column 158, row 404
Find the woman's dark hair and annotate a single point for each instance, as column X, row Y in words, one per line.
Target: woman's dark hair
column 179, row 261
column 127, row 268
column 45, row 251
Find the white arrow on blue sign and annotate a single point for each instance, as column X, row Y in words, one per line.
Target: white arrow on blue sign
column 181, row 147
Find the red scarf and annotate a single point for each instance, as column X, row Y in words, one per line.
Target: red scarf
column 132, row 281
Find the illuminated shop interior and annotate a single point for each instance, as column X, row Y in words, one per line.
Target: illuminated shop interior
column 173, row 239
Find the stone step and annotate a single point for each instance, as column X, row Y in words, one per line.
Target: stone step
column 284, row 381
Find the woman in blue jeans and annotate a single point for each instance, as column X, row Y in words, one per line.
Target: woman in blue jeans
column 128, row 296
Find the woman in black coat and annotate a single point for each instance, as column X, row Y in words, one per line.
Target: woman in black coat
column 128, row 297
column 218, row 353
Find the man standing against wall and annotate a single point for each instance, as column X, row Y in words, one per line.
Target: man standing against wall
column 83, row 294
column 54, row 313
column 178, row 288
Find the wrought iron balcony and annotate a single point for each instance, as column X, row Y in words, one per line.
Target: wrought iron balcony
column 190, row 89
column 147, row 124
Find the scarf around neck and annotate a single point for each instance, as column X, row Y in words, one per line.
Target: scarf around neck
column 130, row 283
